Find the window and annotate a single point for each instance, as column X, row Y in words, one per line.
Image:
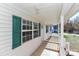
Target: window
column 36, row 34
column 47, row 28
column 27, row 36
column 27, row 30
column 24, row 27
column 27, row 25
column 36, row 29
column 39, row 29
column 35, row 25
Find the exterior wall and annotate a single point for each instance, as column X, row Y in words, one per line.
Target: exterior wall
column 6, row 12
column 46, row 35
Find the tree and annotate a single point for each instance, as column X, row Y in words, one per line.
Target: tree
column 76, row 23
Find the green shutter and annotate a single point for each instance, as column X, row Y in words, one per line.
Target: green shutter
column 16, row 31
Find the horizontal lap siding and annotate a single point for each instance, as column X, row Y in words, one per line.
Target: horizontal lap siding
column 6, row 12
column 5, row 30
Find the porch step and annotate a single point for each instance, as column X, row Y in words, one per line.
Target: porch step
column 49, row 53
column 52, row 50
column 74, row 53
column 52, row 46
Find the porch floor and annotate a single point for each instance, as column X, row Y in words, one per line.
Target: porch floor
column 48, row 48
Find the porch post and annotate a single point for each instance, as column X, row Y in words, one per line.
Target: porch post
column 62, row 40
column 58, row 31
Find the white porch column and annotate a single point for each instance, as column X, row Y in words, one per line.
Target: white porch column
column 62, row 40
column 58, row 31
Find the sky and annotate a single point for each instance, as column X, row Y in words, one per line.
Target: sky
column 74, row 16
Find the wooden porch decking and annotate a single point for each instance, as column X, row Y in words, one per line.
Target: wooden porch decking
column 48, row 48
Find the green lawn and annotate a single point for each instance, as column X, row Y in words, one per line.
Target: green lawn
column 74, row 41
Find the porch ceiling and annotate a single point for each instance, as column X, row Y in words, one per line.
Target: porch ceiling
column 49, row 13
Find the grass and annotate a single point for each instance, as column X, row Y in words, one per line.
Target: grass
column 74, row 41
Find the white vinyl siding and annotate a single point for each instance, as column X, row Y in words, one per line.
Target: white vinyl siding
column 6, row 12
